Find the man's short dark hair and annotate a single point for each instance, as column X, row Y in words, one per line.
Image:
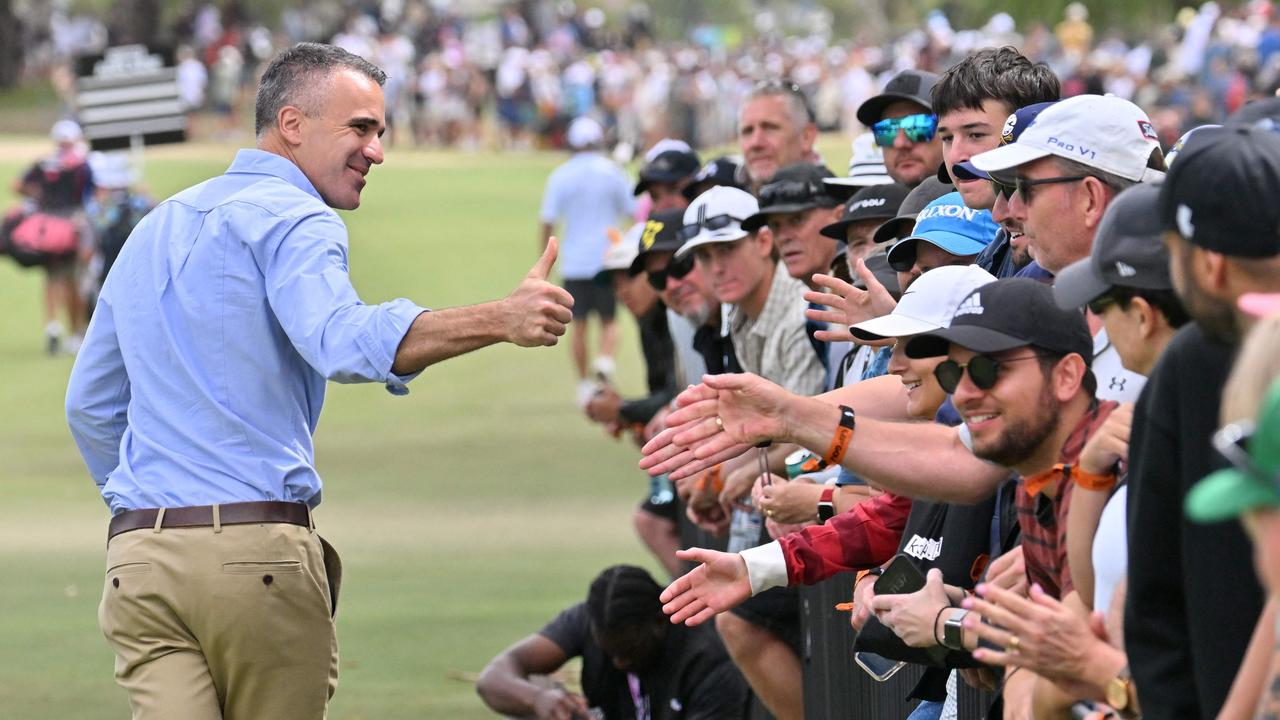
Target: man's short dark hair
column 623, row 596
column 1048, row 360
column 1002, row 74
column 295, row 76
column 1165, row 302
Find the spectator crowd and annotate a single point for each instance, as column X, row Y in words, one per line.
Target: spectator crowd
column 986, row 371
column 1013, row 366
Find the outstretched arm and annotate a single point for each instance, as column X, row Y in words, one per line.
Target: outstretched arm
column 535, row 313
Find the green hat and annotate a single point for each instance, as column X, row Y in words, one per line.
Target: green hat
column 1253, row 480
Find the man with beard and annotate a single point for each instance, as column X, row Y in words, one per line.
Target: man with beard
column 903, row 122
column 634, row 663
column 1193, row 598
column 775, row 129
column 1018, row 372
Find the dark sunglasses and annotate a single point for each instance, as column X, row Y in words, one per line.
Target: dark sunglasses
column 789, row 192
column 676, row 270
column 717, row 222
column 1024, row 185
column 1002, row 190
column 918, row 128
column 1232, row 442
column 984, row 371
column 1099, row 305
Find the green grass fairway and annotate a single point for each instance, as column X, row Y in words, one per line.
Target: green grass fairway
column 467, row 513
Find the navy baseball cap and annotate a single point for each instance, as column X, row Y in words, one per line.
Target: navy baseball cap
column 722, row 171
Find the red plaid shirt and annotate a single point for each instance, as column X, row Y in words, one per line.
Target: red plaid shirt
column 865, row 536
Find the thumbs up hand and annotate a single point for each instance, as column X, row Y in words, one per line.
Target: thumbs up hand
column 537, row 312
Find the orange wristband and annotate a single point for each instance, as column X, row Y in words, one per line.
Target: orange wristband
column 712, row 481
column 844, row 434
column 1091, row 481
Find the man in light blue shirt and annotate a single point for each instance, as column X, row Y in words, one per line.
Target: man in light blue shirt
column 592, row 197
column 199, row 385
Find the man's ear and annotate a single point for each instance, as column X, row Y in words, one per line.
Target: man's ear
column 1098, row 196
column 289, row 122
column 1068, row 376
column 808, row 136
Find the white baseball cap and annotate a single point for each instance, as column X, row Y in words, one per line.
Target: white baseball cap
column 1104, row 132
column 866, row 165
column 623, row 249
column 716, row 216
column 928, row 303
column 66, row 131
column 584, row 132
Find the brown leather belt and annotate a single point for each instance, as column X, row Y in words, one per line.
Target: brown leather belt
column 242, row 513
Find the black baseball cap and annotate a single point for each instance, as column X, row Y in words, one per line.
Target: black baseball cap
column 874, row 202
column 661, row 234
column 1006, row 314
column 913, row 85
column 915, row 201
column 793, row 188
column 724, row 170
column 671, row 166
column 1127, row 252
column 1221, row 193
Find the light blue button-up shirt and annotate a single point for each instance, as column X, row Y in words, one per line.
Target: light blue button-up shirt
column 203, row 372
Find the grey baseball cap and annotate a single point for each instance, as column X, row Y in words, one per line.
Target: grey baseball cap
column 1127, row 251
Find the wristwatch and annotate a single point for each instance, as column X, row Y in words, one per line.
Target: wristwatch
column 826, row 506
column 1118, row 691
column 952, row 632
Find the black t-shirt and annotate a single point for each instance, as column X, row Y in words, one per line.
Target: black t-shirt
column 694, row 680
column 1193, row 598
column 659, row 359
column 716, row 350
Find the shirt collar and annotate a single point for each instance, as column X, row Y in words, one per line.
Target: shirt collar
column 251, row 161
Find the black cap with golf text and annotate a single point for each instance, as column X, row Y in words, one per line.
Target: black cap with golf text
column 874, row 202
column 1006, row 314
column 1127, row 252
column 1221, row 193
column 920, row 196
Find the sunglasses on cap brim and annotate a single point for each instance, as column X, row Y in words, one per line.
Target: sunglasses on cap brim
column 716, row 222
column 917, row 128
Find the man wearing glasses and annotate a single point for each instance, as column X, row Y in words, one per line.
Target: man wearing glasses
column 902, row 120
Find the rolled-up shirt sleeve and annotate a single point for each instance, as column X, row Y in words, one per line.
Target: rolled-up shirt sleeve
column 310, row 292
column 98, row 393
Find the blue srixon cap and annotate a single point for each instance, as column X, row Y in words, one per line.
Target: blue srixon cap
column 1020, row 120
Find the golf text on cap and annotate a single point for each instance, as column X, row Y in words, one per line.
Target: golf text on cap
column 867, row 203
column 1070, row 147
column 952, row 211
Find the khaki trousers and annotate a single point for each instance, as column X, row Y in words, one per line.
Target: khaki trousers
column 231, row 624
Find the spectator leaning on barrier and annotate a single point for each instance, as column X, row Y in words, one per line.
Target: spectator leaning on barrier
column 634, row 662
column 204, row 439
column 590, row 195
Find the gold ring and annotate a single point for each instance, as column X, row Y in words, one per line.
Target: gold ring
column 719, row 422
column 1014, row 642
